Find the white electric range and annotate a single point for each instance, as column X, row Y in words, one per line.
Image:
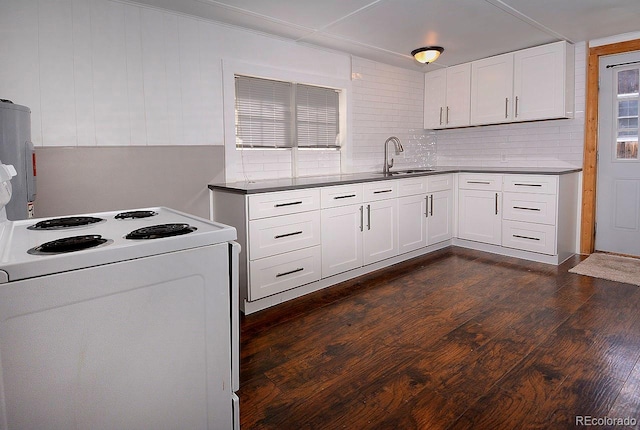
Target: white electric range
column 122, row 319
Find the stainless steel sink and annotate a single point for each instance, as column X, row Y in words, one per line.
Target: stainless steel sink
column 409, row 172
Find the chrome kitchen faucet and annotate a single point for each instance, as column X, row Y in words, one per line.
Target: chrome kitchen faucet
column 398, row 149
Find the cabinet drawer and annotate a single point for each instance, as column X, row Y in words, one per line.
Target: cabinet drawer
column 538, row 208
column 283, row 203
column 412, row 186
column 529, row 237
column 381, row 190
column 480, row 181
column 539, row 184
column 275, row 235
column 340, row 195
column 439, row 183
column 282, row 272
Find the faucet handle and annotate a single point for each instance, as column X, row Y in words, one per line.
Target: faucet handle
column 390, row 164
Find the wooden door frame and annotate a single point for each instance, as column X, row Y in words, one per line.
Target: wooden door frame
column 590, row 163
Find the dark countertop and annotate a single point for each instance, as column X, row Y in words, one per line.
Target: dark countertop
column 269, row 185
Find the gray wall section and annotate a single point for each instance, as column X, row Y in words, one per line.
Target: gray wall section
column 74, row 180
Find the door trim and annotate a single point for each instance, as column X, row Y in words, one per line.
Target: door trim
column 589, row 168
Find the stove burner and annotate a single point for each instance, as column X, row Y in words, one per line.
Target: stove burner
column 160, row 230
column 62, row 223
column 136, row 214
column 69, row 244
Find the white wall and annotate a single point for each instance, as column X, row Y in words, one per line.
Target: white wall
column 112, row 73
column 557, row 143
column 102, row 72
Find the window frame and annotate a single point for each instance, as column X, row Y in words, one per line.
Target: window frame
column 233, row 169
column 635, row 97
column 293, row 103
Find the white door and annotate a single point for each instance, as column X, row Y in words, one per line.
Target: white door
column 440, row 216
column 435, row 87
column 412, row 223
column 458, row 95
column 479, row 216
column 492, row 89
column 380, row 240
column 341, row 239
column 538, row 82
column 618, row 187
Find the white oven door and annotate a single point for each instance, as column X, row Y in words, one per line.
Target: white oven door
column 141, row 344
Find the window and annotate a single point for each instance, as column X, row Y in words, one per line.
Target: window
column 276, row 114
column 627, row 114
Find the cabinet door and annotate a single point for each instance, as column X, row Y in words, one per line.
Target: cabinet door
column 379, row 238
column 412, row 223
column 479, row 216
column 439, row 222
column 457, row 112
column 341, row 239
column 492, row 89
column 539, row 82
column 435, row 87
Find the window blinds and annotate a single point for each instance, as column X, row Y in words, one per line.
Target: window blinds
column 317, row 117
column 264, row 116
column 263, row 113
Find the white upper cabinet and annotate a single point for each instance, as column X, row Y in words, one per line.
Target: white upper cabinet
column 543, row 84
column 435, row 98
column 447, row 97
column 492, row 90
column 527, row 85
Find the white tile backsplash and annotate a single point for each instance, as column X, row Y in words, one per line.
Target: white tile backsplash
column 556, row 143
column 387, row 101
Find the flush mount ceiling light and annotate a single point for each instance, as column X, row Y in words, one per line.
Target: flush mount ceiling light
column 427, row 54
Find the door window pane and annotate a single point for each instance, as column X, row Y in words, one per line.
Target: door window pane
column 627, row 114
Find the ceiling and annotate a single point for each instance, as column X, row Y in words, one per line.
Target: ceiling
column 388, row 30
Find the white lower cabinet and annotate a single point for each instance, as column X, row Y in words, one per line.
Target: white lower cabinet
column 297, row 239
column 341, row 239
column 282, row 241
column 532, row 213
column 531, row 207
column 379, row 239
column 412, row 223
column 424, row 218
column 357, row 235
column 479, row 216
column 440, row 218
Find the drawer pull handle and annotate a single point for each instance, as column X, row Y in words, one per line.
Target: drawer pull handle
column 479, row 182
column 299, row 269
column 527, row 209
column 528, row 185
column 525, row 237
column 347, row 196
column 279, row 205
column 287, row 235
column 382, row 191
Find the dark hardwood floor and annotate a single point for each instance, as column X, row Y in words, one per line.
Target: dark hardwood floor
column 458, row 339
